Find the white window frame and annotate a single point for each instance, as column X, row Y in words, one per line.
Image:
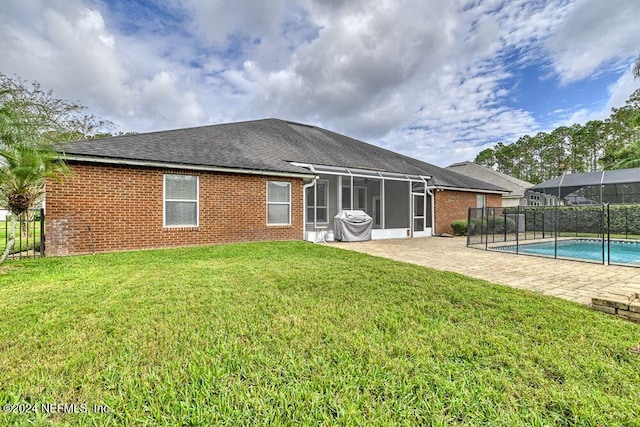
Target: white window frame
column 165, row 200
column 278, row 203
column 481, row 201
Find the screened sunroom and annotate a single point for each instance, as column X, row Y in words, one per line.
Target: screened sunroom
column 401, row 205
column 595, row 188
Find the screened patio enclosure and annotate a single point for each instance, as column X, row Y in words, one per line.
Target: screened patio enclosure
column 401, row 205
column 595, row 188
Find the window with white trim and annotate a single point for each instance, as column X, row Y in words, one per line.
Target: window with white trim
column 278, row 203
column 181, row 201
column 481, row 200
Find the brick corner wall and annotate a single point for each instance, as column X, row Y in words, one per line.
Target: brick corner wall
column 123, row 205
column 454, row 205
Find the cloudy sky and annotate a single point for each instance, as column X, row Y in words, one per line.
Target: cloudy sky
column 439, row 80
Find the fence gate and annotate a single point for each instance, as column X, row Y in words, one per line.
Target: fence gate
column 29, row 235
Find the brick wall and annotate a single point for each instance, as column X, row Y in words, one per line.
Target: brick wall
column 124, row 207
column 454, row 205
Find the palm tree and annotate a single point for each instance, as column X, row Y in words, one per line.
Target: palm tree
column 27, row 159
column 23, row 173
column 31, row 121
column 629, row 156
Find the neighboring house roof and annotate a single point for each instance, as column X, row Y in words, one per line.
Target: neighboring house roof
column 516, row 187
column 571, row 182
column 269, row 145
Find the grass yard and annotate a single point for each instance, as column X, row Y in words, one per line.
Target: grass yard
column 300, row 334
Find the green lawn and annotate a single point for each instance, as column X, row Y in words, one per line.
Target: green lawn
column 301, row 334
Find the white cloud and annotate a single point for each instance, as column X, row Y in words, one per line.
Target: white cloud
column 595, row 33
column 362, row 61
column 432, row 79
column 162, row 99
column 619, row 93
column 443, row 70
column 84, row 54
column 67, row 47
column 217, row 20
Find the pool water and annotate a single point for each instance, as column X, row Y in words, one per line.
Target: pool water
column 622, row 252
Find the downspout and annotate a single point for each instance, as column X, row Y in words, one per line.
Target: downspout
column 411, row 210
column 383, row 201
column 433, row 211
column 433, row 205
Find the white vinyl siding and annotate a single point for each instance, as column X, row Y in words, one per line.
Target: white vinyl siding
column 278, row 203
column 181, row 201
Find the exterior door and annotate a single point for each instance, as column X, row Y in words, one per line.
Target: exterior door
column 419, row 229
column 360, row 198
column 377, row 216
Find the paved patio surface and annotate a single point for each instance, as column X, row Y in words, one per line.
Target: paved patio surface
column 575, row 281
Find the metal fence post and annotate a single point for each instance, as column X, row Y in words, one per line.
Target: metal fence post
column 486, row 239
column 608, row 225
column 517, row 221
column 505, row 231
column 20, row 236
column 557, row 227
column 469, row 226
column 41, row 232
column 602, row 227
column 479, row 210
column 494, row 226
column 26, row 227
column 626, row 223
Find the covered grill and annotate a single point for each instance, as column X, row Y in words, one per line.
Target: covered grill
column 353, row 226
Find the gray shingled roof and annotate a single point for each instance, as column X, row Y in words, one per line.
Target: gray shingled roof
column 268, row 145
column 517, row 187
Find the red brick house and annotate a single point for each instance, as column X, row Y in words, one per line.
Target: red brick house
column 249, row 181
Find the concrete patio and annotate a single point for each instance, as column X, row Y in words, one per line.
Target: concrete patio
column 575, row 281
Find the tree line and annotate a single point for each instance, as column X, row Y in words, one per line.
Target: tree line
column 613, row 143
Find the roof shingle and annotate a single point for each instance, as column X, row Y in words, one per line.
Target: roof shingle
column 269, row 145
column 516, row 187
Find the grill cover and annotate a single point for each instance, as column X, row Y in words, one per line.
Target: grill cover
column 353, row 226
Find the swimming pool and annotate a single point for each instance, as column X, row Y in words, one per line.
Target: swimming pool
column 622, row 251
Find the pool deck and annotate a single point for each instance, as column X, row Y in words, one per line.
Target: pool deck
column 572, row 280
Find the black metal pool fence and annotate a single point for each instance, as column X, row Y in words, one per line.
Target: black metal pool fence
column 518, row 229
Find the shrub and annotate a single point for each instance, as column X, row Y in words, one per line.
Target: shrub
column 491, row 225
column 477, row 225
column 497, row 224
column 459, row 227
